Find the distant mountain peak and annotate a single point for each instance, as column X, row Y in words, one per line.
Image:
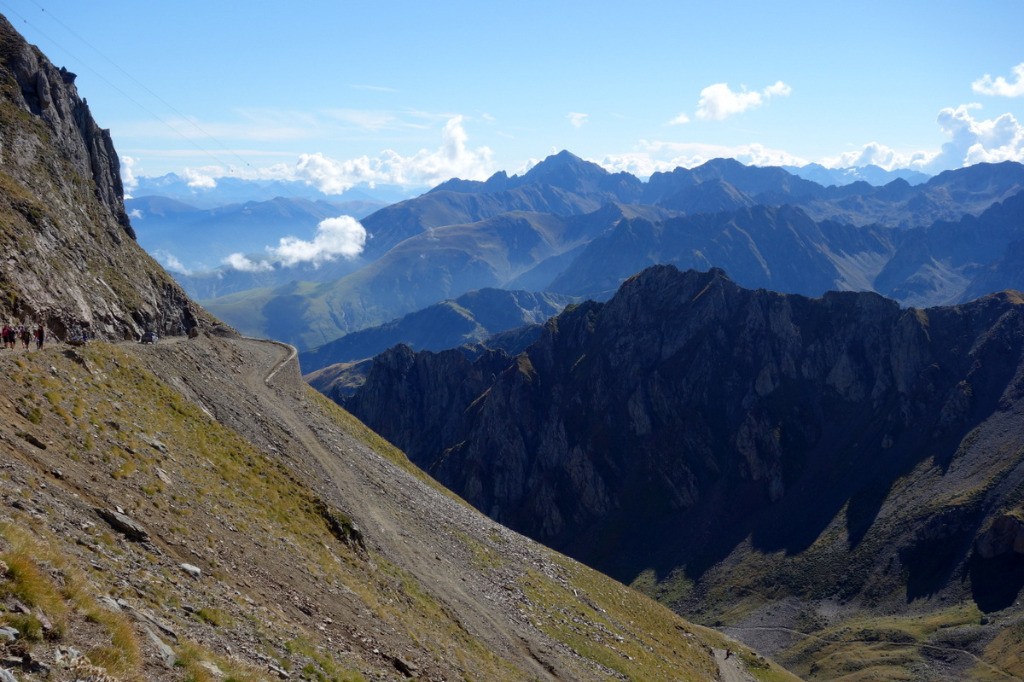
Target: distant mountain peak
column 564, row 165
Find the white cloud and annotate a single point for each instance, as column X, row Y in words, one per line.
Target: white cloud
column 128, row 179
column 342, row 236
column 427, row 167
column 987, row 85
column 576, row 119
column 171, row 262
column 977, row 141
column 135, row 213
column 718, row 101
column 778, row 89
column 240, row 261
column 453, row 158
column 199, row 180
column 877, row 154
column 971, row 140
column 658, row 156
column 679, row 120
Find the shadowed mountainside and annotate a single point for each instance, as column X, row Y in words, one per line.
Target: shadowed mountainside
column 715, row 443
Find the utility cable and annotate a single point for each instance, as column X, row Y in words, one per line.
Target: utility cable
column 124, row 94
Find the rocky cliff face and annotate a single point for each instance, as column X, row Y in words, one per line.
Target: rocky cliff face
column 67, row 249
column 688, row 417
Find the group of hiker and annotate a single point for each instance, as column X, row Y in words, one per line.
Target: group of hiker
column 11, row 334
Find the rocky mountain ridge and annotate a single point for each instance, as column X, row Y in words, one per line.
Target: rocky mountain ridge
column 66, row 243
column 550, row 229
column 472, row 318
column 688, row 431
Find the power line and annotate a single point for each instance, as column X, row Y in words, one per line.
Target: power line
column 136, row 81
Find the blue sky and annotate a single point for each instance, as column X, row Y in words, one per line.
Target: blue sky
column 337, row 93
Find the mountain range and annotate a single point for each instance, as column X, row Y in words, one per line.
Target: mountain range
column 569, row 227
column 215, row 193
column 190, row 510
column 870, row 174
column 835, row 479
column 471, row 318
column 793, row 469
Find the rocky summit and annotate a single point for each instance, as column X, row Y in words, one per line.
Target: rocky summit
column 190, row 510
column 810, row 472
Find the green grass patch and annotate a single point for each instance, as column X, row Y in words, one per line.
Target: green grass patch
column 876, row 647
column 323, row 668
column 213, row 616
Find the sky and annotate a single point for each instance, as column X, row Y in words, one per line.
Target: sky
column 339, row 93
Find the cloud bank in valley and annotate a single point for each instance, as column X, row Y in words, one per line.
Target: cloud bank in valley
column 343, row 237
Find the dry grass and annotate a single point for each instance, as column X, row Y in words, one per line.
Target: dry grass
column 64, row 597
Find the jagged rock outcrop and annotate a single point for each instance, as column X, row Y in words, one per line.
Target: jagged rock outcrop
column 67, row 249
column 1004, row 537
column 688, row 416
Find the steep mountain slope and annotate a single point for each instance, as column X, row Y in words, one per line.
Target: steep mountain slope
column 67, row 250
column 342, row 379
column 435, row 265
column 765, row 185
column 785, row 250
column 948, row 197
column 316, row 548
column 775, row 248
column 190, row 510
column 562, row 185
column 942, row 262
column 470, row 318
column 733, row 449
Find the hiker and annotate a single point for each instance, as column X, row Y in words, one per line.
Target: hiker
column 40, row 336
column 6, row 334
column 26, row 336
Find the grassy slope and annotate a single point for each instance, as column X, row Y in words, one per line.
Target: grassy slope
column 116, row 434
